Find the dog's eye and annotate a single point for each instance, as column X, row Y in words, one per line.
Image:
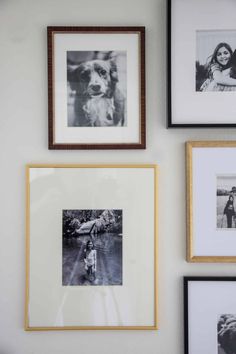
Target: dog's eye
column 102, row 72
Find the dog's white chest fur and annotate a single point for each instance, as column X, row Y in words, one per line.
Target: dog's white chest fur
column 99, row 111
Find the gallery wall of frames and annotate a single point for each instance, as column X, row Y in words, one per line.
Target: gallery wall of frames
column 118, row 177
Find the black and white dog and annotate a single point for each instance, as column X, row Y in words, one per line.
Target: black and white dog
column 98, row 101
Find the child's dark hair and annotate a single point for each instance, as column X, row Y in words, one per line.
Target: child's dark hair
column 212, row 58
column 214, row 55
column 89, row 241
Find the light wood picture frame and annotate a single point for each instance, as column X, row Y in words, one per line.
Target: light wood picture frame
column 211, row 223
column 89, row 263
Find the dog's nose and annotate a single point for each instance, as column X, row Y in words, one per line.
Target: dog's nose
column 95, row 88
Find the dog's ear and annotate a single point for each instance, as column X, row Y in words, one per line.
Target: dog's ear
column 113, row 70
column 72, row 77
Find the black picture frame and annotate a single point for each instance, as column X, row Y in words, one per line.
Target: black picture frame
column 170, row 113
column 186, row 281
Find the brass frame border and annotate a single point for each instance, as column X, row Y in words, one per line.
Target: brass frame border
column 27, row 327
column 190, row 145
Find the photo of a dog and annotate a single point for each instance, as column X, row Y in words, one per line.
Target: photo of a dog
column 96, row 89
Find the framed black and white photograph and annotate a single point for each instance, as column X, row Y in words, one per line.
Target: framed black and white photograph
column 97, row 88
column 96, row 78
column 216, row 61
column 211, row 201
column 226, row 191
column 91, row 247
column 201, row 63
column 209, row 315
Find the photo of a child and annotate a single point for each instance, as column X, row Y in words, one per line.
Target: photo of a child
column 90, row 260
column 225, row 197
column 92, row 243
column 216, row 61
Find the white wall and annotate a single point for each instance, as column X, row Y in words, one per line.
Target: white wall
column 23, row 139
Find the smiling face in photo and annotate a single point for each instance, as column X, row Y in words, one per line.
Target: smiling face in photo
column 223, row 56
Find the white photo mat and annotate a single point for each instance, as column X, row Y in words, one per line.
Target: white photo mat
column 52, row 189
column 127, row 42
column 189, row 106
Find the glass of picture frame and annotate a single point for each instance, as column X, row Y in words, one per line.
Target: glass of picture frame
column 96, row 87
column 91, row 247
column 209, row 315
column 211, row 191
column 201, row 63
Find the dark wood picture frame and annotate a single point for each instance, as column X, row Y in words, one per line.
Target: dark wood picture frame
column 141, row 120
column 186, row 281
column 170, row 123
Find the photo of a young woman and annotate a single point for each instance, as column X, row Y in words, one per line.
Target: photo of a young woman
column 216, row 64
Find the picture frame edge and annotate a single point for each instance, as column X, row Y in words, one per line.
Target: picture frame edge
column 189, row 202
column 27, row 326
column 186, row 280
column 170, row 123
column 189, row 146
column 141, row 144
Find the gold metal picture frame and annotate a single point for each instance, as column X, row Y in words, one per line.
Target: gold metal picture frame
column 56, row 191
column 206, row 240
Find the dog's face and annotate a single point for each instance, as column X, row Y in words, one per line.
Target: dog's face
column 95, row 78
